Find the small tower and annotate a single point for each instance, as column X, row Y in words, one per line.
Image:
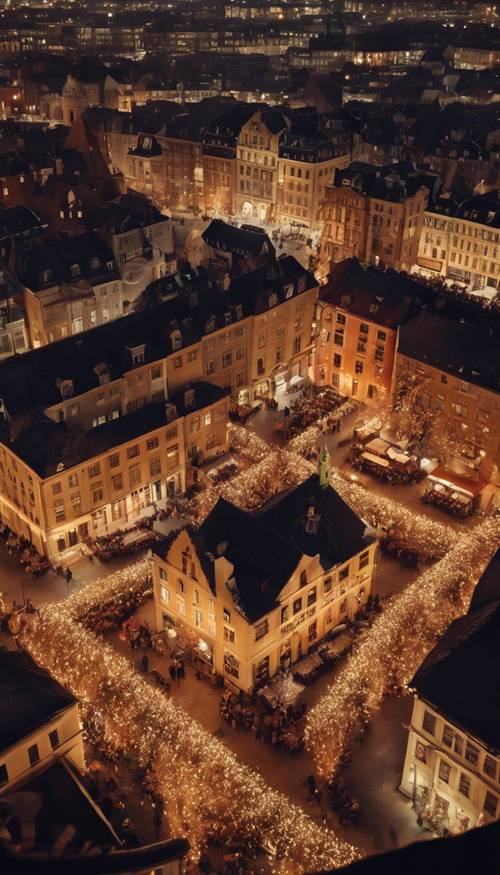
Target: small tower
column 324, row 468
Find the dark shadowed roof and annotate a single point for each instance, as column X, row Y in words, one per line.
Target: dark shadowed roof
column 462, row 347
column 339, row 534
column 475, row 850
column 66, row 803
column 241, row 241
column 265, row 548
column 459, row 675
column 29, row 697
column 263, row 559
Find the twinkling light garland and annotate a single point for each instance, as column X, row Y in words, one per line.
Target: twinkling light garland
column 396, row 644
column 207, row 792
column 308, row 438
column 247, row 443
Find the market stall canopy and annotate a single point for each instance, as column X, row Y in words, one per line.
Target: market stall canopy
column 456, row 481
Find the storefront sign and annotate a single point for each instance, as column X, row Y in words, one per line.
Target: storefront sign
column 298, row 620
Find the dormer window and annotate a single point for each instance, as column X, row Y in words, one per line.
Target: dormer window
column 110, row 265
column 288, row 291
column 273, row 300
column 137, row 353
column 210, row 324
column 239, row 311
column 46, row 276
column 95, row 264
column 75, row 270
column 227, row 318
column 176, row 339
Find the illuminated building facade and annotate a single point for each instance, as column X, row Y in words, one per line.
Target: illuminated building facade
column 254, row 592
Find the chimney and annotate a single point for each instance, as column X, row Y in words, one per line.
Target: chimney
column 188, row 399
column 311, row 519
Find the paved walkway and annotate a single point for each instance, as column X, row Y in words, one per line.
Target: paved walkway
column 287, row 771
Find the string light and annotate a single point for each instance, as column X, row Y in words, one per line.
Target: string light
column 396, row 644
column 208, row 794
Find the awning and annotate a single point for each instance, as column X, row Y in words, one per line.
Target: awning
column 378, row 446
column 376, row 460
column 429, row 263
column 456, row 481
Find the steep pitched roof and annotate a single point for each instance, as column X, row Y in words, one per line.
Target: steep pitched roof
column 29, row 697
column 266, row 547
column 240, row 241
column 339, row 533
column 263, row 559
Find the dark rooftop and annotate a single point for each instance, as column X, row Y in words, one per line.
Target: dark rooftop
column 44, row 444
column 65, row 803
column 337, row 535
column 84, row 257
column 266, row 547
column 241, row 241
column 29, row 697
column 460, row 346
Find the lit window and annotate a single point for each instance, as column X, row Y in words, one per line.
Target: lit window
column 429, row 723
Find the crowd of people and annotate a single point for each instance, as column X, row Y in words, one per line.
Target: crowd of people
column 112, row 614
column 26, row 553
column 281, row 727
column 316, row 402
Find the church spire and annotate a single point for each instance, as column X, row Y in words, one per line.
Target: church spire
column 324, row 467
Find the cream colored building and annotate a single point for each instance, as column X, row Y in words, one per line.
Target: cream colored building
column 100, row 427
column 253, row 592
column 39, row 724
column 257, row 165
column 451, row 770
column 461, row 242
column 303, row 176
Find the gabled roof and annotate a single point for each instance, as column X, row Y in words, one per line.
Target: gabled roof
column 459, row 675
column 239, row 241
column 266, row 547
column 339, row 534
column 263, row 559
column 29, row 697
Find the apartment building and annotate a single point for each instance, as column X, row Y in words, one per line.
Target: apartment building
column 257, row 164
column 374, row 214
column 100, row 426
column 451, row 770
column 59, row 484
column 360, row 310
column 39, row 721
column 220, row 139
column 69, row 286
column 306, row 166
column 281, row 343
column 453, row 350
column 142, row 241
column 461, row 242
column 253, row 592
